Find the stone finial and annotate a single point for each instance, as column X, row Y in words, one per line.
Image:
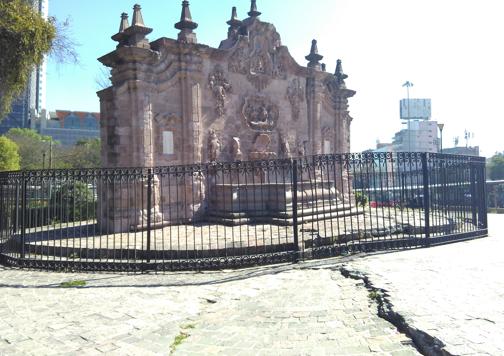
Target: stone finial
column 340, row 76
column 186, row 25
column 253, row 9
column 124, row 22
column 314, row 57
column 133, row 35
column 137, row 16
column 234, row 23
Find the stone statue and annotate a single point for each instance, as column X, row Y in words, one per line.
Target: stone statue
column 214, row 146
column 295, row 94
column 285, row 151
column 302, row 149
column 236, row 152
column 220, row 87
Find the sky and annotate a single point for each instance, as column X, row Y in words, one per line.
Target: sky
column 451, row 50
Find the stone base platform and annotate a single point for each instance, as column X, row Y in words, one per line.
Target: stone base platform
column 272, row 203
column 83, row 242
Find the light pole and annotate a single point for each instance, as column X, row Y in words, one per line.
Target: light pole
column 441, row 127
column 50, row 154
column 408, row 85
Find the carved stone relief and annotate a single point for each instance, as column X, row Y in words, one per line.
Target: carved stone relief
column 239, row 62
column 260, row 113
column 296, row 95
column 259, row 59
column 262, row 148
column 220, row 87
column 327, row 133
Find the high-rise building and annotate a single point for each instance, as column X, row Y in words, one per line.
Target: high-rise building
column 420, row 136
column 421, row 133
column 32, row 100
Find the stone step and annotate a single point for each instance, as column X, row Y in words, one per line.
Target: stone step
column 284, row 218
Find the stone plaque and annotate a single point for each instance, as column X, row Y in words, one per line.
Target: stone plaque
column 168, row 143
column 327, row 146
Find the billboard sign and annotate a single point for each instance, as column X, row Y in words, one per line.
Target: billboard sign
column 415, row 109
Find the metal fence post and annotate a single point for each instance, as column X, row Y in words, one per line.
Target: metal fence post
column 149, row 212
column 483, row 198
column 474, row 213
column 23, row 213
column 426, row 200
column 294, row 163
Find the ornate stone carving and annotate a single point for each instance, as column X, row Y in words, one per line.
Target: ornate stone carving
column 220, row 87
column 259, row 59
column 260, row 113
column 261, row 148
column 239, row 63
column 214, row 146
column 261, row 70
column 327, row 133
column 236, row 153
column 296, row 95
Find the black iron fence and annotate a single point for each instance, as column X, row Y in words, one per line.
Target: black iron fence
column 237, row 214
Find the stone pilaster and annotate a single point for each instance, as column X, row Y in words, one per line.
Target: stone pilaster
column 314, row 98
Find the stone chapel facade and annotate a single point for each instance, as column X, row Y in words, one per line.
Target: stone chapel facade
column 178, row 102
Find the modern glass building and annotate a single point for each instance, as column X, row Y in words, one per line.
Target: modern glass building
column 67, row 127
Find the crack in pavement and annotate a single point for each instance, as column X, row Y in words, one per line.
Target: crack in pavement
column 422, row 341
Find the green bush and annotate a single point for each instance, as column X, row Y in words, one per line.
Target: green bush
column 361, row 199
column 73, row 201
column 9, row 155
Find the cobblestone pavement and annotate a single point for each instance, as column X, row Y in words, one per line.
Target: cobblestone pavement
column 454, row 293
column 265, row 311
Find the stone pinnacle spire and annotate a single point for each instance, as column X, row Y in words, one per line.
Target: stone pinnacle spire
column 340, row 76
column 137, row 16
column 133, row 35
column 186, row 25
column 234, row 22
column 314, row 57
column 253, row 9
column 124, row 22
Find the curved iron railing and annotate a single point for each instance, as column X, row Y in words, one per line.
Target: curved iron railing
column 238, row 214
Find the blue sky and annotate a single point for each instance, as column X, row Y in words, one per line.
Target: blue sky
column 450, row 49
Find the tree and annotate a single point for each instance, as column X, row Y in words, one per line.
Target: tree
column 9, row 155
column 495, row 167
column 85, row 154
column 32, row 147
column 25, row 37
